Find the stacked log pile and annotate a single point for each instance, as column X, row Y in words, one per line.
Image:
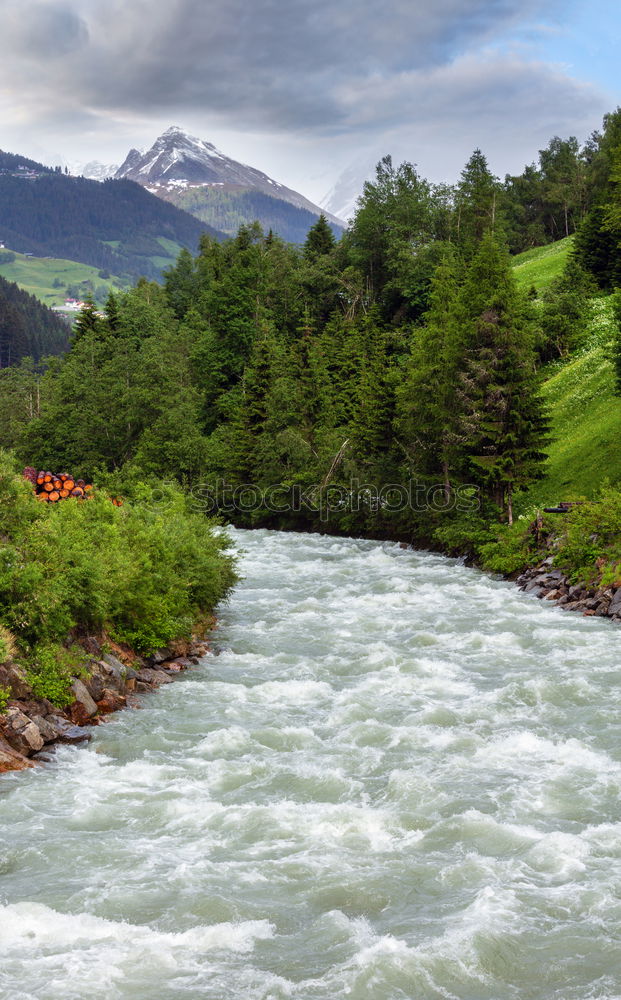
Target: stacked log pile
column 51, row 488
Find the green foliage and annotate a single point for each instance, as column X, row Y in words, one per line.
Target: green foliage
column 148, row 570
column 51, row 668
column 514, row 547
column 27, row 328
column 590, row 541
column 567, row 310
column 585, row 417
column 5, row 695
column 616, row 344
column 117, row 226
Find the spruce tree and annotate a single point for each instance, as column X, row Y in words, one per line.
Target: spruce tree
column 320, row 239
column 427, row 413
column 503, row 425
column 478, row 204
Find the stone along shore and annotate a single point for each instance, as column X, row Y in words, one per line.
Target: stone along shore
column 552, row 585
column 110, row 681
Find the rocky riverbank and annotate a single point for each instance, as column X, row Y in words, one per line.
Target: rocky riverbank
column 113, row 678
column 549, row 584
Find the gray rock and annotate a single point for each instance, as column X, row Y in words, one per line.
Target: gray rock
column 83, row 697
column 22, row 733
column 112, row 674
column 114, row 662
column 74, row 734
column 153, row 677
column 49, row 731
column 95, row 685
column 14, row 678
column 91, row 645
column 614, row 608
column 160, row 655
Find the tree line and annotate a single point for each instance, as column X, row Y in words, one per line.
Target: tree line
column 398, row 366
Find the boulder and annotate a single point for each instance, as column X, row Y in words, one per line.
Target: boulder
column 152, row 677
column 49, row 730
column 74, row 734
column 21, row 732
column 113, row 661
column 161, row 655
column 11, row 759
column 110, row 701
column 83, row 698
column 95, row 683
column 14, row 678
column 112, row 673
column 614, row 608
column 91, row 645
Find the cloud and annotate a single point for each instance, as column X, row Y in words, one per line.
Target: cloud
column 314, row 80
column 274, row 63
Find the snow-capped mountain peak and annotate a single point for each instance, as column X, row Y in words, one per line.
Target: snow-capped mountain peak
column 179, row 160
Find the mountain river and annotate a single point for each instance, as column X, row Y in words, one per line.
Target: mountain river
column 395, row 777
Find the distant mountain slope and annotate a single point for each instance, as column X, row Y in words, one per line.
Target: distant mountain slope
column 193, row 174
column 115, row 226
column 28, row 328
column 228, row 209
column 10, row 162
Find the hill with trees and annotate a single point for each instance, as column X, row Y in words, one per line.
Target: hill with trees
column 116, row 226
column 408, row 380
column 28, row 328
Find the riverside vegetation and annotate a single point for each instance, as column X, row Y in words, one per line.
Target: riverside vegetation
column 88, row 577
column 412, row 380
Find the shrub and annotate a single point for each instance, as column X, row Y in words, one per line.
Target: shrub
column 5, row 695
column 51, row 670
column 146, row 571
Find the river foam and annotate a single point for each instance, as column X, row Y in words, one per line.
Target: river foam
column 398, row 778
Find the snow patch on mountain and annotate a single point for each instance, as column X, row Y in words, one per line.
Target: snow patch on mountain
column 178, row 158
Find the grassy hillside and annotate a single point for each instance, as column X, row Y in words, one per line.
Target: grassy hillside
column 115, row 226
column 48, row 278
column 541, row 265
column 585, row 415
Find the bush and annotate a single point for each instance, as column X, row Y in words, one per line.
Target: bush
column 146, row 571
column 51, row 670
column 589, row 547
column 514, row 548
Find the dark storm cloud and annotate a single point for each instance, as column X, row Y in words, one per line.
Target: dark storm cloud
column 261, row 63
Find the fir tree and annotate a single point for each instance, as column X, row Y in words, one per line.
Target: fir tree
column 504, row 429
column 320, row 240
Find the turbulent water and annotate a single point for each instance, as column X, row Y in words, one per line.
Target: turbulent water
column 397, row 779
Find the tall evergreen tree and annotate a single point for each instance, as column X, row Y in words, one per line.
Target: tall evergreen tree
column 320, row 239
column 477, row 204
column 427, row 400
column 504, row 428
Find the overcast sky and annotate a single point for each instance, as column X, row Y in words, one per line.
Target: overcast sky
column 304, row 89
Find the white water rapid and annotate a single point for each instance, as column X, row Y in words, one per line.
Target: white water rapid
column 399, row 779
